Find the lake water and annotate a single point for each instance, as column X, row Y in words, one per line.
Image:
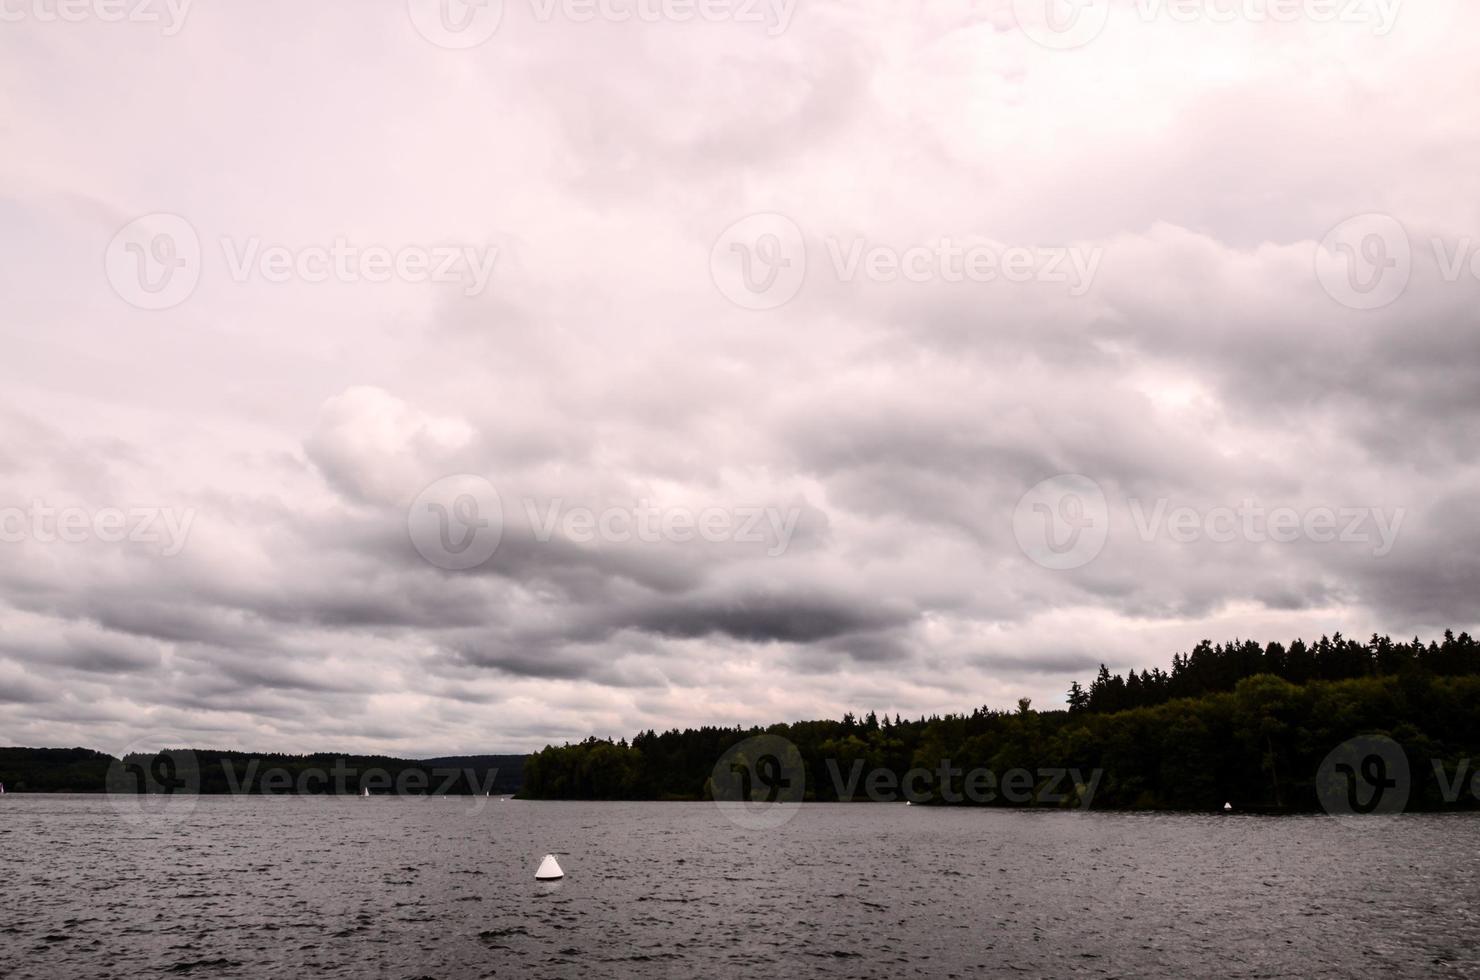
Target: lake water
column 257, row 887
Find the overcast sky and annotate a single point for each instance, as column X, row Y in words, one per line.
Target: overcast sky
column 762, row 365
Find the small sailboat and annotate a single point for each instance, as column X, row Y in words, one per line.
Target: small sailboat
column 364, row 791
column 1228, row 808
column 549, row 870
column 2, row 789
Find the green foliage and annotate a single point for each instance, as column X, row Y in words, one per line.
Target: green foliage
column 1234, row 722
column 53, row 770
column 1210, row 668
column 1219, row 727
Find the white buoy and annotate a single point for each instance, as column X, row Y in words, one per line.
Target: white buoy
column 1227, row 807
column 549, row 870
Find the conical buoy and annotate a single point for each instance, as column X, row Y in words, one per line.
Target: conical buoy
column 1227, row 807
column 549, row 870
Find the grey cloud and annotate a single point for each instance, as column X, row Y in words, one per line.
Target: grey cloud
column 769, row 618
column 1205, row 365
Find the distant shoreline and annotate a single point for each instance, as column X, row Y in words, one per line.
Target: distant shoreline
column 206, row 772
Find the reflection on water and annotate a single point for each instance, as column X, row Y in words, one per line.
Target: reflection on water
column 248, row 887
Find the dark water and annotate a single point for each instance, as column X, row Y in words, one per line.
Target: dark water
column 388, row 887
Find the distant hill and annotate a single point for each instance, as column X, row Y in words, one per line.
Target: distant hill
column 79, row 770
column 54, row 770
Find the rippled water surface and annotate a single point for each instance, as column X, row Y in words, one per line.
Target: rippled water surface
column 256, row 887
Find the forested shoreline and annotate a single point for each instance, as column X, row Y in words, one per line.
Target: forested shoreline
column 1232, row 722
column 213, row 772
column 1235, row 722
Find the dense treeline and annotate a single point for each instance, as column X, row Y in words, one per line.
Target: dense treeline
column 1222, row 726
column 207, row 771
column 1209, row 668
column 54, row 770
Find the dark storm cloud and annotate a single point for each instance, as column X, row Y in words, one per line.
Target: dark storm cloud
column 771, row 618
column 879, row 646
column 530, row 657
column 857, row 626
column 1434, row 575
column 108, row 654
column 1048, row 661
column 21, row 689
